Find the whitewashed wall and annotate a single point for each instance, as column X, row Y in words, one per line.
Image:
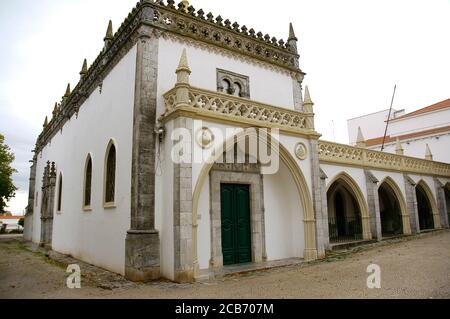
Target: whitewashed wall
column 419, row 122
column 164, row 203
column 429, row 181
column 439, row 145
column 285, row 236
column 266, row 85
column 396, row 177
column 357, row 174
column 96, row 237
column 372, row 125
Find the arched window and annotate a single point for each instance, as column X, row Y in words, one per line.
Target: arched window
column 59, row 192
column 237, row 89
column 110, row 174
column 87, row 182
column 226, row 86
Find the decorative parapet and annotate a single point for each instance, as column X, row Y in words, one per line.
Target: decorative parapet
column 348, row 155
column 214, row 105
column 223, row 33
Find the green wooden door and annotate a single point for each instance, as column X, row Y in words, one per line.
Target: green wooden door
column 236, row 235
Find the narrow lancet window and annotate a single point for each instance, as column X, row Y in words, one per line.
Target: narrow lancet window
column 88, row 182
column 60, row 183
column 110, row 178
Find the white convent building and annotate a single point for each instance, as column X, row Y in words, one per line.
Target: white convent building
column 189, row 146
column 423, row 133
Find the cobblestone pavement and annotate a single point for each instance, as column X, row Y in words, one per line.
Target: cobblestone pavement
column 414, row 267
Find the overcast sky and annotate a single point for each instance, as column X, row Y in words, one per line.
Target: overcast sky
column 353, row 52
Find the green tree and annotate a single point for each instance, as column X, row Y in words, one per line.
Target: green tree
column 7, row 188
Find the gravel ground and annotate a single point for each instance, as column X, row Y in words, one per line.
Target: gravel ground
column 417, row 267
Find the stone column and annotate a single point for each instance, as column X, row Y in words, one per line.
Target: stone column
column 142, row 252
column 48, row 205
column 441, row 203
column 185, row 266
column 411, row 204
column 317, row 199
column 44, row 195
column 32, row 187
column 373, row 203
column 324, row 204
column 182, row 215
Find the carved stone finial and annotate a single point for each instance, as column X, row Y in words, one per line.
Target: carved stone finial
column 183, row 65
column 292, row 33
column 84, row 69
column 109, row 32
column 182, row 85
column 55, row 110
column 53, row 170
column 307, row 99
column 185, row 5
column 67, row 94
column 45, row 122
column 308, row 107
column 428, row 154
column 398, row 147
column 360, row 141
column 292, row 40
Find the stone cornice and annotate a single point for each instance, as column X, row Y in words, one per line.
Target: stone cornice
column 363, row 158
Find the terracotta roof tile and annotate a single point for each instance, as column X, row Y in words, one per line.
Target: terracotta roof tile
column 10, row 217
column 389, row 139
column 438, row 106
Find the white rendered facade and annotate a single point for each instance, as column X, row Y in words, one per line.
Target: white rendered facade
column 429, row 126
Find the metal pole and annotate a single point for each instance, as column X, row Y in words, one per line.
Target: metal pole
column 389, row 118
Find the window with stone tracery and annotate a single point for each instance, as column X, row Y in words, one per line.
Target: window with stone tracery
column 233, row 83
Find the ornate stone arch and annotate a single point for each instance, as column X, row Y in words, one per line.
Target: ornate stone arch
column 360, row 199
column 402, row 202
column 432, row 201
column 310, row 251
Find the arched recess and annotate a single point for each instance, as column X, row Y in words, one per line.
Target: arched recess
column 109, row 175
column 392, row 185
column 422, row 186
column 359, row 196
column 59, row 193
column 310, row 251
column 87, row 183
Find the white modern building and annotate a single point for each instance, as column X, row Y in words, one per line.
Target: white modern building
column 189, row 145
column 424, row 133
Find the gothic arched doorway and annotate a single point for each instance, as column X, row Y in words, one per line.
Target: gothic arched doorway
column 390, row 211
column 346, row 213
column 424, row 209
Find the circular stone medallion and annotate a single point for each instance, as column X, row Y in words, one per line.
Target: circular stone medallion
column 301, row 151
column 205, row 138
